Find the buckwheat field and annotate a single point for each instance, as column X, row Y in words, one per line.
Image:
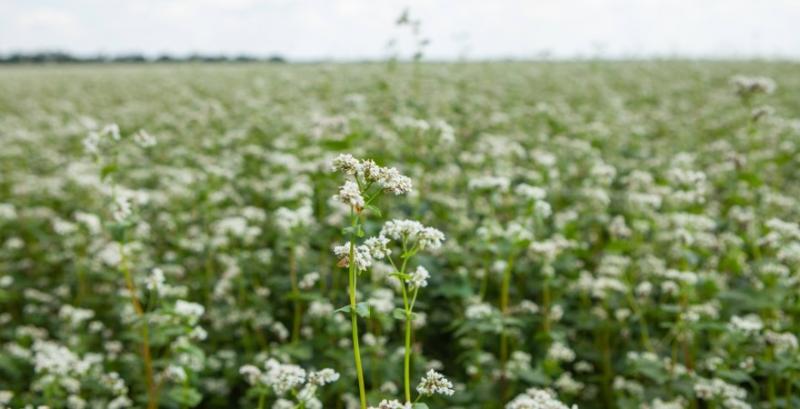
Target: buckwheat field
column 394, row 236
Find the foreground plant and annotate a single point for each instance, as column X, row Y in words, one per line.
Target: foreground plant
column 368, row 182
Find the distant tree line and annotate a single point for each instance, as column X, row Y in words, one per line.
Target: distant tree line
column 60, row 57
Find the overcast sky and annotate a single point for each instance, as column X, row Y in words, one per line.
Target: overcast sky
column 354, row 29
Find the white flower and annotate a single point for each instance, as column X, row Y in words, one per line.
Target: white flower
column 530, row 192
column 746, row 86
column 489, row 183
column 119, row 402
column 783, row 342
column 749, row 324
column 346, row 164
column 288, row 220
column 74, row 402
column 479, row 311
column 5, row 397
column 560, row 352
column 111, row 130
column 427, row 238
column 392, row 404
column 382, row 300
column 308, row 280
column 389, row 179
column 419, row 278
column 155, row 281
column 398, row 229
column 378, row 247
column 251, row 374
column 430, row 239
column 121, row 208
column 323, row 377
column 434, row 383
column 175, row 373
column 7, row 211
column 350, row 194
column 91, row 143
column 144, row 139
column 362, row 256
column 319, row 309
column 535, row 398
column 283, row 377
column 190, row 310
column 392, row 181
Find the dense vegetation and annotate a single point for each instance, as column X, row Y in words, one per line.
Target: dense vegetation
column 609, row 235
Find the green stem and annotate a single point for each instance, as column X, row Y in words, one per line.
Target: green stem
column 354, row 318
column 504, row 296
column 295, row 295
column 643, row 330
column 608, row 374
column 407, row 358
column 771, row 394
column 546, row 306
column 152, row 393
column 262, row 398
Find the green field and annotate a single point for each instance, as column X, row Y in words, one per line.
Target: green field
column 617, row 234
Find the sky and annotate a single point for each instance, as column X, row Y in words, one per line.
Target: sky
column 361, row 29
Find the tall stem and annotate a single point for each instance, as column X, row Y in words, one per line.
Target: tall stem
column 407, row 358
column 354, row 318
column 152, row 393
column 295, row 295
column 504, row 295
column 607, row 369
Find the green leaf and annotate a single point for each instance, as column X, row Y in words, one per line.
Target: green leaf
column 345, row 309
column 362, row 309
column 107, row 170
column 399, row 314
column 374, row 209
column 420, row 405
column 185, row 396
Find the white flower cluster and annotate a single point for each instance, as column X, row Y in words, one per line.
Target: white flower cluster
column 283, row 378
column 362, row 255
column 435, row 383
column 55, row 359
column 678, row 403
column 535, row 398
column 479, row 311
column 419, row 278
column 350, row 194
column 783, row 342
column 392, row 404
column 389, row 179
column 560, row 352
column 749, row 324
column 377, row 248
column 426, row 238
column 144, row 139
column 732, row 396
column 288, row 220
column 323, row 377
column 155, row 281
column 190, row 310
column 747, row 86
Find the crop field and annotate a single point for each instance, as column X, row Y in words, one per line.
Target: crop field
column 542, row 235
